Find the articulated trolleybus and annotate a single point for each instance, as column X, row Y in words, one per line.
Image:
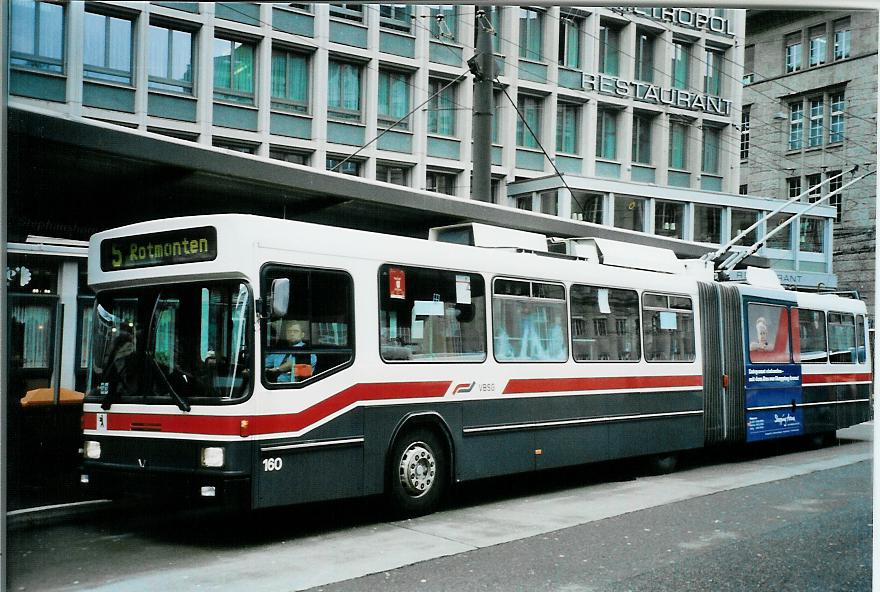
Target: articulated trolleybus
column 276, row 362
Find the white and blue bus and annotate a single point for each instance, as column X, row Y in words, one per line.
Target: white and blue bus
column 273, row 362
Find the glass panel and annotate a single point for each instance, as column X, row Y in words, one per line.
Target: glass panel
column 842, row 338
column 818, row 45
column 606, row 134
column 222, row 64
column 782, row 239
column 181, row 56
column 812, row 231
column 243, row 70
column 567, row 123
column 768, row 334
column 443, row 27
column 313, row 338
column 644, row 56
column 677, row 145
column 669, row 219
column 95, row 39
column 175, row 343
column 739, row 221
column 796, row 126
column 51, row 34
column 604, row 324
column 707, row 224
column 530, row 108
column 120, row 44
column 812, row 338
column 32, row 332
column 680, row 65
column 157, row 56
column 609, row 46
column 587, row 207
column 641, row 140
column 530, row 33
column 861, row 344
column 837, row 121
column 817, row 128
column 713, row 72
column 629, row 213
column 431, row 315
column 23, row 26
column 668, row 331
column 711, row 148
column 528, row 328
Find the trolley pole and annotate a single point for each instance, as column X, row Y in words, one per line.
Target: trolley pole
column 482, row 66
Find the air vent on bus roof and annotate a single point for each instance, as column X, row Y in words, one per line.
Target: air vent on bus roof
column 484, row 235
column 621, row 254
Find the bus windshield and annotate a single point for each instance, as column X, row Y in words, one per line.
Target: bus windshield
column 175, row 343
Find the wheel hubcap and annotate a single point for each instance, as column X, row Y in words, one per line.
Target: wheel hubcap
column 417, row 469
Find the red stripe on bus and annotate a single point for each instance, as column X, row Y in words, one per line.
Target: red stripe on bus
column 268, row 424
column 554, row 385
column 831, row 378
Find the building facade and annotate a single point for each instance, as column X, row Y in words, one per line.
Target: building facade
column 810, row 113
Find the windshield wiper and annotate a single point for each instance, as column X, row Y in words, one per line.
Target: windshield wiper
column 181, row 402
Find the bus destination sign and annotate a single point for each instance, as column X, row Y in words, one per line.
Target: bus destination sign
column 188, row 245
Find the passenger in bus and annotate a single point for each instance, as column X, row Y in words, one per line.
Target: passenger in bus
column 762, row 333
column 290, row 366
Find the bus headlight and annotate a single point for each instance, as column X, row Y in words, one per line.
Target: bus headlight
column 92, row 449
column 213, row 457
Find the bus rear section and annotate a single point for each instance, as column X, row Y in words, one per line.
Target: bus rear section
column 783, row 364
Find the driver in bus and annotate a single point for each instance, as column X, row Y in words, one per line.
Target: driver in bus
column 289, row 366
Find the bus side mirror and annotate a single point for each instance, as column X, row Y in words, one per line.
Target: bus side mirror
column 279, row 297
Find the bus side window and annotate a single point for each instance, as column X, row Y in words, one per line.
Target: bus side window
column 669, row 328
column 768, row 334
column 811, row 346
column 842, row 337
column 529, row 321
column 604, row 324
column 861, row 340
column 314, row 336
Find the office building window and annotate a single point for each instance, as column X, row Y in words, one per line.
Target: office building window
column 818, row 45
column 836, row 200
column 782, row 239
column 235, row 145
column 348, row 11
column 669, row 219
column 393, row 98
column 549, row 203
column 567, row 126
column 795, row 126
column 443, row 21
column 395, row 16
column 744, row 134
column 794, row 187
column 588, row 207
column 570, row 41
column 523, row 202
column 641, row 138
column 234, row 71
column 606, row 134
column 707, row 224
column 441, row 107
column 793, row 52
column 842, row 39
column 37, row 30
column 440, row 182
column 681, row 53
column 344, row 91
column 497, row 114
column 678, row 132
column 609, row 49
column 749, row 64
column 739, row 221
column 817, row 126
column 290, row 80
column 644, row 56
column 812, row 182
column 170, row 59
column 838, row 105
column 812, row 234
column 392, row 173
column 713, row 72
column 108, row 48
column 629, row 213
column 531, row 33
column 292, row 156
column 338, row 164
column 711, row 149
column 744, row 189
column 530, row 113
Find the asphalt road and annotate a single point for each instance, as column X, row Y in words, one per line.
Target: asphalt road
column 779, row 518
column 808, row 533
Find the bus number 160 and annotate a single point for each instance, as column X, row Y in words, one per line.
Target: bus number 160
column 272, row 464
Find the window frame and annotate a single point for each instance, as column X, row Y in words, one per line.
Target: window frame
column 231, row 94
column 266, row 269
column 186, row 87
column 386, row 120
column 285, row 103
column 394, row 22
column 445, row 100
column 35, row 60
column 339, row 112
column 568, row 121
column 529, row 106
column 571, row 28
column 532, row 33
column 104, row 73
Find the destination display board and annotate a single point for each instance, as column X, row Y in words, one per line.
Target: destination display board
column 172, row 247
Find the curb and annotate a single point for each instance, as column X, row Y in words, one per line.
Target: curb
column 58, row 513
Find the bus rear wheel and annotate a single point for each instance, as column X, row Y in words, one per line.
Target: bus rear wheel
column 417, row 473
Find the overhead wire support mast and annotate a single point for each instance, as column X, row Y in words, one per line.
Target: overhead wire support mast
column 733, row 260
column 725, row 248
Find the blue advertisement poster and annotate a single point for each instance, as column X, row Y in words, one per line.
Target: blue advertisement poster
column 773, row 399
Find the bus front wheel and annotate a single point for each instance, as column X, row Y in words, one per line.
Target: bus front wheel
column 417, row 477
